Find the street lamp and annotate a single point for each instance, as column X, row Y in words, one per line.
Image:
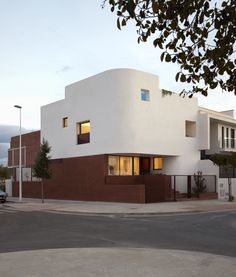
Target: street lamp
column 20, row 159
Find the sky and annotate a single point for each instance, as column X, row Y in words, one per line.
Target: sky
column 48, row 44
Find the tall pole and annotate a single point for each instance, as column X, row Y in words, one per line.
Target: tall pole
column 20, row 158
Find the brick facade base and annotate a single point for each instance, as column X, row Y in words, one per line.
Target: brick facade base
column 84, row 178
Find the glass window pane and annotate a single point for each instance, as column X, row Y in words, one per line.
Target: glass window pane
column 227, row 137
column 113, row 165
column 232, row 138
column 145, row 96
column 223, row 137
column 85, row 127
column 136, row 166
column 157, row 163
column 125, row 165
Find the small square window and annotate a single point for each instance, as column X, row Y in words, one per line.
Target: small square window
column 190, row 128
column 145, row 95
column 65, row 122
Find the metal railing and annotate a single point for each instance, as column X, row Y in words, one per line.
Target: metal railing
column 184, row 186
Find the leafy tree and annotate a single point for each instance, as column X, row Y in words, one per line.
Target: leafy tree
column 41, row 167
column 227, row 162
column 197, row 35
column 200, row 183
column 4, row 174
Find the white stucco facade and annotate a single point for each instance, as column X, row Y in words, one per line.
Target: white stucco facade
column 121, row 123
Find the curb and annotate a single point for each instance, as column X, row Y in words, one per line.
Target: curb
column 125, row 214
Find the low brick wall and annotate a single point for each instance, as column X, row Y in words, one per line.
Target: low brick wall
column 84, row 178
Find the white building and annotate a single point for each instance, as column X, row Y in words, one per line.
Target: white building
column 123, row 115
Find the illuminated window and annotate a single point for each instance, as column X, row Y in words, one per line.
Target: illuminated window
column 65, row 122
column 83, row 132
column 136, row 166
column 126, row 166
column 123, row 165
column 85, row 127
column 113, row 165
column 157, row 163
column 145, row 95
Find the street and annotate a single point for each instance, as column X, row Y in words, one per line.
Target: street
column 205, row 232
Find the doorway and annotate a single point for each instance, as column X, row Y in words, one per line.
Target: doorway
column 144, row 165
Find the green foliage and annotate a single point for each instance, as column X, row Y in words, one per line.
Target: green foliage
column 198, row 35
column 166, row 92
column 200, row 183
column 231, row 198
column 4, row 173
column 232, row 159
column 227, row 161
column 41, row 166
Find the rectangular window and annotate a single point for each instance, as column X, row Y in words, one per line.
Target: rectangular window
column 65, row 122
column 136, row 166
column 190, row 128
column 124, row 166
column 227, row 137
column 145, row 95
column 223, row 137
column 83, row 132
column 113, row 165
column 232, row 138
column 85, row 127
column 157, row 163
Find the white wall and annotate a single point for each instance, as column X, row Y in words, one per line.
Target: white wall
column 8, row 184
column 204, row 130
column 223, row 188
column 123, row 124
column 214, row 137
column 120, row 121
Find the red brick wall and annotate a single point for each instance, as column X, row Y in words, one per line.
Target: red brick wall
column 157, row 188
column 32, row 143
column 84, row 178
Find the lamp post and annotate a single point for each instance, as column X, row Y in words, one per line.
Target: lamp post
column 20, row 159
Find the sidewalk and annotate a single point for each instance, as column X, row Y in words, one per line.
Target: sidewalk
column 87, row 207
column 115, row 262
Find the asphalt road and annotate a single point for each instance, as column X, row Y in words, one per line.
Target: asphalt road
column 210, row 232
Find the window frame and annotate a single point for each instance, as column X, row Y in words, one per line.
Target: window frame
column 124, row 156
column 85, row 136
column 147, row 95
